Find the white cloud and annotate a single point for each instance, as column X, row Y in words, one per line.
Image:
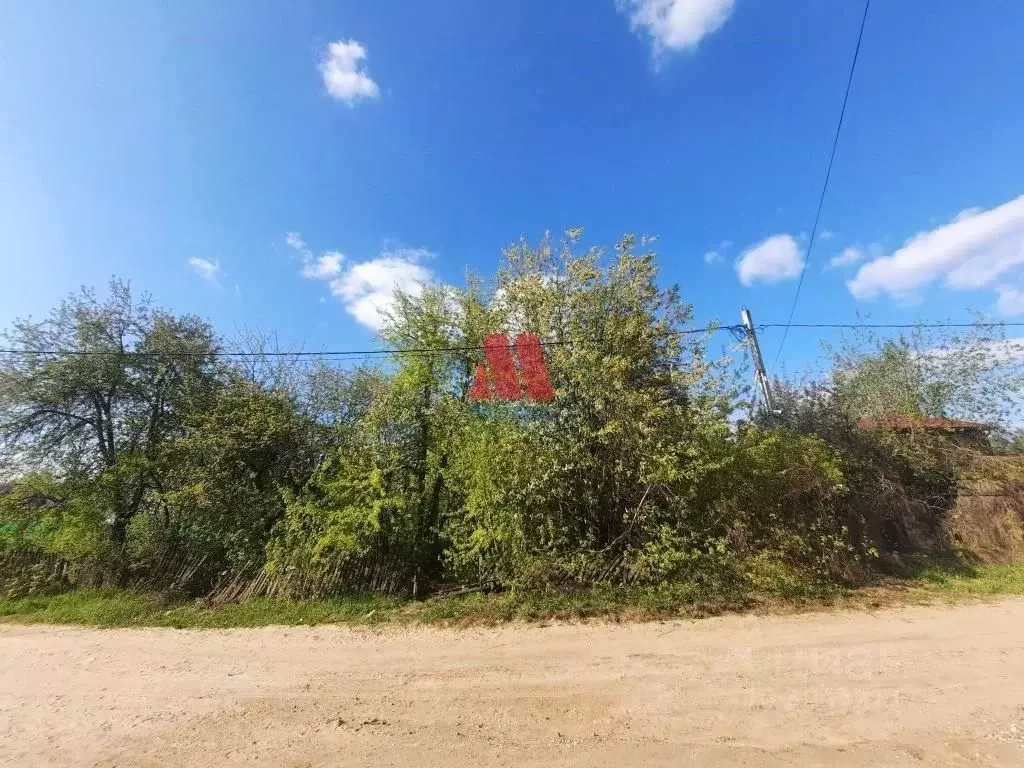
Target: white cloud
column 324, row 267
column 826, row 234
column 1006, row 350
column 676, row 25
column 366, row 289
column 712, row 257
column 966, row 213
column 206, row 269
column 772, row 260
column 970, row 252
column 1000, row 351
column 396, row 250
column 847, row 256
column 1010, row 302
column 345, row 78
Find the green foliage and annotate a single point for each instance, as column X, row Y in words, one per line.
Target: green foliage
column 226, row 472
column 929, row 373
column 346, row 511
column 99, row 387
column 666, row 600
column 779, row 485
column 135, row 448
column 575, row 490
column 65, row 518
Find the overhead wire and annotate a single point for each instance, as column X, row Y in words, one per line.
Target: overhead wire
column 824, row 186
column 738, row 331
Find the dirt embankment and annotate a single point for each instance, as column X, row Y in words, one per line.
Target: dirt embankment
column 918, row 686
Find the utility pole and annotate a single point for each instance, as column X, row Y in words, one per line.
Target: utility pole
column 760, row 374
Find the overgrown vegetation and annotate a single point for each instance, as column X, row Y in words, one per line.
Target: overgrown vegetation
column 673, row 600
column 140, row 455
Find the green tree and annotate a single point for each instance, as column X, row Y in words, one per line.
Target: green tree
column 96, row 388
column 381, row 487
column 224, row 475
column 930, row 372
column 577, row 488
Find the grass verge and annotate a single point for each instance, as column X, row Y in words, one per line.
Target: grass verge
column 979, row 581
column 113, row 608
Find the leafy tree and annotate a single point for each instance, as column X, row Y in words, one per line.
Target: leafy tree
column 98, row 386
column 221, row 492
column 39, row 512
column 131, row 440
column 930, row 373
column 381, row 486
column 575, row 489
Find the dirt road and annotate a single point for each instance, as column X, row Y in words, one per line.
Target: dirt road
column 919, row 686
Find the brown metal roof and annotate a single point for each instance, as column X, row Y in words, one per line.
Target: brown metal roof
column 905, row 421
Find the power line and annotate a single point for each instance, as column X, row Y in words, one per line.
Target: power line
column 891, row 325
column 327, row 355
column 301, row 354
column 828, row 175
column 336, row 355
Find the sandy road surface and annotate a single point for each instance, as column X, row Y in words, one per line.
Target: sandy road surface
column 912, row 687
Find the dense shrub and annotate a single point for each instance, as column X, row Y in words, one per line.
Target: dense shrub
column 259, row 475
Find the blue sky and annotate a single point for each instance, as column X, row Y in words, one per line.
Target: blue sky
column 282, row 165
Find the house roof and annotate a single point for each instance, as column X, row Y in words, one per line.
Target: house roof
column 905, row 421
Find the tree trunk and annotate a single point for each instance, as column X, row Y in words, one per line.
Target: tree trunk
column 124, row 514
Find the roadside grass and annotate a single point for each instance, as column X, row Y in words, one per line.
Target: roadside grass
column 120, row 608
column 108, row 608
column 978, row 581
column 117, row 608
